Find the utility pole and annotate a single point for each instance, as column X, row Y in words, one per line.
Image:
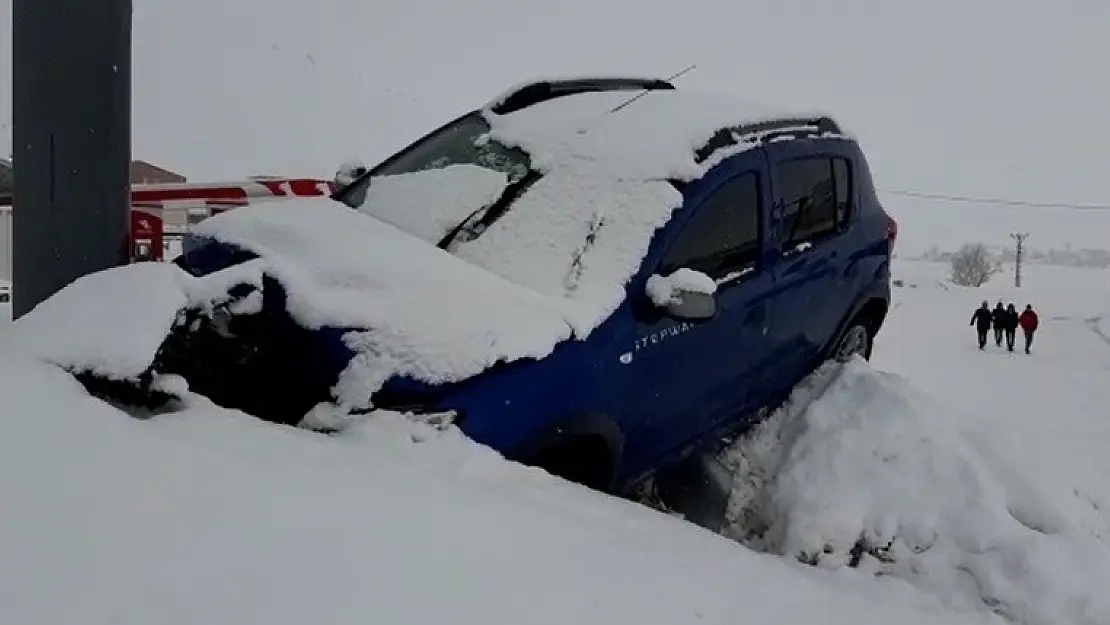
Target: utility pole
column 1020, row 237
column 71, row 97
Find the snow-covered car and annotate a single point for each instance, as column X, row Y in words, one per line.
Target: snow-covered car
column 595, row 276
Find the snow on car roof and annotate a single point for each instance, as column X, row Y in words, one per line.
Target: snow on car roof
column 653, row 137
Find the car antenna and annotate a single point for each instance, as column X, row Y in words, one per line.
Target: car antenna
column 643, row 92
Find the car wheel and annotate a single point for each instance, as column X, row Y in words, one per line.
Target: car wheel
column 856, row 341
column 584, row 460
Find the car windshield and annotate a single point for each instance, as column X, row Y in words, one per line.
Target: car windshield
column 464, row 141
column 461, row 142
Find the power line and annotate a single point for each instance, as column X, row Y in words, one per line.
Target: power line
column 997, row 201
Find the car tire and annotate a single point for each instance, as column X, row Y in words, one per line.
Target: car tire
column 584, row 460
column 856, row 340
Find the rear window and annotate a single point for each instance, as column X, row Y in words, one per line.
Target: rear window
column 816, row 196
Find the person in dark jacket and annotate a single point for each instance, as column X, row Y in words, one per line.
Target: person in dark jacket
column 1010, row 326
column 998, row 322
column 981, row 319
column 1029, row 323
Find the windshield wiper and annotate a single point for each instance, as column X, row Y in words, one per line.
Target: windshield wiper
column 492, row 212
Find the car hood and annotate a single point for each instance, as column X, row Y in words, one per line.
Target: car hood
column 414, row 310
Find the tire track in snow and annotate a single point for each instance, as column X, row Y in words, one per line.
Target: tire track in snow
column 1095, row 324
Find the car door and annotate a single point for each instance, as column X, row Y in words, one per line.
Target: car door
column 696, row 373
column 812, row 188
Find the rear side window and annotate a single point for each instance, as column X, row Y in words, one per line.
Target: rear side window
column 722, row 236
column 816, row 194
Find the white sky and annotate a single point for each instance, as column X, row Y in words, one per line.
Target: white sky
column 985, row 98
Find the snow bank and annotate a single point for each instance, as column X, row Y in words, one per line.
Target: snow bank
column 1045, row 411
column 209, row 516
column 109, row 323
column 875, row 475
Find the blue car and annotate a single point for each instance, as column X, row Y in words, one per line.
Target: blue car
column 744, row 251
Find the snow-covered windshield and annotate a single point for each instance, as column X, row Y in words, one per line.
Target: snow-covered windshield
column 464, row 142
column 443, row 181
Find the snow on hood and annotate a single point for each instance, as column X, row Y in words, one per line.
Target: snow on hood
column 428, row 314
column 431, row 202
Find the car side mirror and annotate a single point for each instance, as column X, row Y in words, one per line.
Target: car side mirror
column 685, row 294
column 346, row 175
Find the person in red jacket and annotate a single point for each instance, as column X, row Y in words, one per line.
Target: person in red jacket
column 1029, row 322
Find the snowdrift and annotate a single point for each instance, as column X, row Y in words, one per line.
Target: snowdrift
column 873, row 474
column 210, row 516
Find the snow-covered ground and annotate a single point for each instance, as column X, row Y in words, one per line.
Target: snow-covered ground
column 979, row 477
column 976, row 481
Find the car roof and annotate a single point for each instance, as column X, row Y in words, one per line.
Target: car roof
column 644, row 125
column 529, row 93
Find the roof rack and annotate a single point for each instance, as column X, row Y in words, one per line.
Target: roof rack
column 530, row 94
column 763, row 130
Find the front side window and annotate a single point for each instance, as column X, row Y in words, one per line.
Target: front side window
column 722, row 237
column 815, row 195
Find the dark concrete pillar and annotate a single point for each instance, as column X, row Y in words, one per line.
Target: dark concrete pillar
column 71, row 97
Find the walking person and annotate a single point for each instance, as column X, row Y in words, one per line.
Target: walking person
column 981, row 319
column 1010, row 326
column 998, row 322
column 1029, row 323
